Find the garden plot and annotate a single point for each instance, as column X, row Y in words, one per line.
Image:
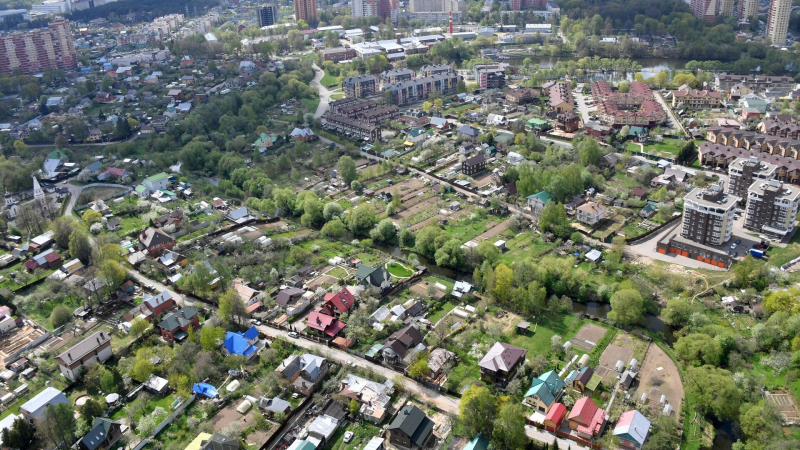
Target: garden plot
column 496, row 228
column 404, row 187
column 588, row 336
column 428, row 221
column 659, row 376
column 786, row 406
column 608, row 360
column 421, row 289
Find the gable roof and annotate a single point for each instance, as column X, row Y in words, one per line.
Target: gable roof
column 556, row 413
column 98, row 434
column 632, row 426
column 584, row 375
column 178, row 319
column 475, row 160
column 84, row 347
column 220, row 442
column 414, row 423
column 546, row 386
column 152, row 237
column 154, row 302
column 286, row 295
column 543, row 196
column 502, row 356
column 342, row 300
column 324, row 323
column 468, row 130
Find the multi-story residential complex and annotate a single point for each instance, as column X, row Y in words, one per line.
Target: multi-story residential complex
column 778, row 23
column 267, row 14
column 780, row 125
column 435, row 69
column 707, row 224
column 709, row 9
column 367, row 111
column 353, row 128
column 771, row 207
column 756, row 83
column 385, row 9
column 522, row 96
column 708, row 215
column 39, row 50
column 360, row 86
column 397, row 75
column 420, row 88
column 722, row 156
column 306, row 10
column 695, row 99
column 338, row 54
column 744, row 171
column 747, row 9
column 490, row 76
column 637, row 107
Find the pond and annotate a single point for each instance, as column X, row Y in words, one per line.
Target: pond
column 650, row 323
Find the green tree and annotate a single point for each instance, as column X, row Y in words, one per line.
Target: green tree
column 385, row 231
column 713, row 390
column 450, row 254
column 333, row 230
column 91, row 217
column 61, row 315
column 477, row 411
column 79, row 246
column 627, row 307
column 742, row 271
column 509, row 427
column 91, row 409
column 589, row 152
column 210, row 337
column 21, row 435
column 504, row 277
column 231, row 308
column 698, row 349
column 57, row 429
column 62, row 229
column 347, row 169
column 142, row 370
column 332, row 211
column 419, row 369
column 553, row 215
column 362, row 219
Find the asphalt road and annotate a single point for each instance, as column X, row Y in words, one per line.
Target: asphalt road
column 324, row 93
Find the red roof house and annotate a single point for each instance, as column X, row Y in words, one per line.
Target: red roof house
column 586, row 418
column 555, row 417
column 336, row 304
column 325, row 324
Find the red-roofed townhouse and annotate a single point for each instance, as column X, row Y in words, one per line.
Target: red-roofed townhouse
column 324, row 324
column 586, row 418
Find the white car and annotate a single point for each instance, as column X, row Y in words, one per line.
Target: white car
column 293, row 334
column 734, row 245
column 348, row 436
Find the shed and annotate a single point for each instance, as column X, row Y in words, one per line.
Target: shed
column 523, row 327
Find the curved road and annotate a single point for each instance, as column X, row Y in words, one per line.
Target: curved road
column 324, row 93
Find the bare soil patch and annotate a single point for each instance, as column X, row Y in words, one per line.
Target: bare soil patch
column 659, row 376
column 787, row 406
column 608, row 360
column 588, row 336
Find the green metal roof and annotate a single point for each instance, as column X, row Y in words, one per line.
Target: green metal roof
column 543, row 196
column 157, row 177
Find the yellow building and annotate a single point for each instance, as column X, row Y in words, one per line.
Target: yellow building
column 197, row 443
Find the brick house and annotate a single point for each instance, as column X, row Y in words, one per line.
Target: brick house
column 154, row 241
column 95, row 348
column 501, row 362
column 175, row 326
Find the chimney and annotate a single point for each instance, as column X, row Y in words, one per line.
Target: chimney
column 451, row 23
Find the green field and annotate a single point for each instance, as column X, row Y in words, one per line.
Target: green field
column 328, row 79
column 446, row 308
column 460, row 108
column 399, row 270
column 310, row 104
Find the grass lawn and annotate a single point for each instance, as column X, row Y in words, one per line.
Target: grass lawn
column 446, row 308
column 328, row 79
column 311, row 104
column 460, row 108
column 399, row 270
column 337, row 96
column 337, row 272
column 362, row 433
column 538, row 342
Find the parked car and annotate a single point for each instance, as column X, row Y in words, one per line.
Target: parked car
column 293, row 334
column 348, row 436
column 734, row 245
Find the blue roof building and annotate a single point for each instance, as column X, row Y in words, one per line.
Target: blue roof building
column 238, row 344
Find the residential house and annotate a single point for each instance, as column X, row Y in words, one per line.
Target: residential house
column 591, row 213
column 555, row 417
column 305, row 372
column 264, row 142
column 243, row 344
column 586, row 418
column 468, row 132
column 336, row 304
column 537, row 202
column 579, row 379
column 374, row 397
column 71, row 267
column 274, row 405
column 240, row 215
column 48, row 259
column 171, row 218
column 324, row 324
column 400, row 343
column 370, row 276
column 631, row 430
column 302, row 134
column 103, row 435
column 437, row 359
column 293, row 300
column 34, row 410
column 155, row 241
column 545, row 390
column 523, row 95
column 113, row 174
column 411, row 429
column 94, row 168
column 175, row 326
column 95, row 348
column 500, row 363
column 173, row 261
column 157, row 182
column 474, row 166
column 113, row 224
column 218, row 442
column 568, row 121
column 248, row 295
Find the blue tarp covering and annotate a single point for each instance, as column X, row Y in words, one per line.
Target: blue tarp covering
column 205, row 389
